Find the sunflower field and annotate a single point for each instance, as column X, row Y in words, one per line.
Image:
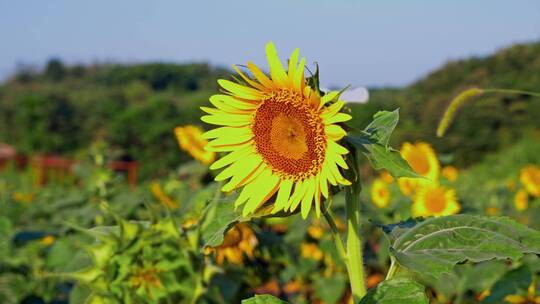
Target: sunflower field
column 281, row 196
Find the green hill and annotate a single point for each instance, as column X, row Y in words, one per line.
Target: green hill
column 487, row 125
column 63, row 109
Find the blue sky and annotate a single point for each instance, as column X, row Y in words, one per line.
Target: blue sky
column 356, row 42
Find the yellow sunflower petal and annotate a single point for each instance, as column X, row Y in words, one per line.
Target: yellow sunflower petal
column 266, row 186
column 339, row 117
column 282, row 200
column 276, row 68
column 328, row 97
column 293, row 61
column 298, row 81
column 240, row 90
column 247, row 79
column 307, row 200
column 335, row 132
column 232, row 157
column 260, row 76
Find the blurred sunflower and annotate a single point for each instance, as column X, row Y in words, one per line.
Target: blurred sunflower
column 406, row 185
column 530, row 178
column 161, row 196
column 47, row 240
column 316, row 230
column 492, row 210
column 435, row 200
column 387, row 177
column 521, row 200
column 380, row 195
column 20, row 197
column 190, row 139
column 311, row 251
column 451, row 173
column 239, row 241
column 282, row 137
column 423, row 160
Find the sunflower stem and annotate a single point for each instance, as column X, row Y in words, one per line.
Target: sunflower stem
column 335, row 234
column 355, row 263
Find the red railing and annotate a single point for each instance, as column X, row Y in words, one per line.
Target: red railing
column 57, row 167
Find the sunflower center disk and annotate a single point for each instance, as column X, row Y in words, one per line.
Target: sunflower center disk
column 435, row 201
column 419, row 163
column 289, row 135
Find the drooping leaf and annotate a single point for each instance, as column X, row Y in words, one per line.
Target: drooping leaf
column 222, row 215
column 400, row 290
column 387, row 158
column 373, row 142
column 435, row 245
column 382, row 126
column 263, row 299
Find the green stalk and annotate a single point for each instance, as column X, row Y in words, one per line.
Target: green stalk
column 355, row 263
column 335, row 234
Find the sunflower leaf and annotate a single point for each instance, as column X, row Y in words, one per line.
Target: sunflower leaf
column 382, row 126
column 433, row 247
column 221, row 215
column 400, row 290
column 373, row 142
column 263, row 299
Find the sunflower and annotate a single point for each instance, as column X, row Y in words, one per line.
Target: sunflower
column 379, row 193
column 239, row 241
column 311, row 251
column 451, row 173
column 190, row 139
column 521, row 200
column 281, row 135
column 423, row 160
column 387, row 177
column 530, row 178
column 161, row 196
column 435, row 200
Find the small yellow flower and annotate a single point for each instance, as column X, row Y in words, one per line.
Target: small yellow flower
column 374, row 279
column 316, row 231
column 20, row 197
column 451, row 173
column 434, row 200
column 48, row 240
column 387, row 177
column 311, row 251
column 191, row 140
column 530, row 179
column 239, row 241
column 160, row 195
column 380, row 195
column 406, row 185
column 521, row 200
column 423, row 160
column 511, row 185
column 492, row 210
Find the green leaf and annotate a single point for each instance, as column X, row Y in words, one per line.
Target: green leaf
column 373, row 142
column 400, row 290
column 263, row 299
column 382, row 126
column 330, row 289
column 435, row 245
column 511, row 283
column 387, row 158
column 221, row 215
